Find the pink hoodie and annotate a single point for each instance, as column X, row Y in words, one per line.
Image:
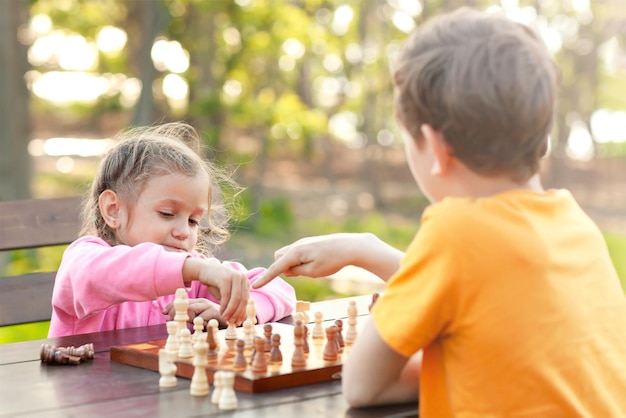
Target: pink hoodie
column 100, row 287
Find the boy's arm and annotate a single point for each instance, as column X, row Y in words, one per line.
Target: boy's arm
column 326, row 254
column 374, row 374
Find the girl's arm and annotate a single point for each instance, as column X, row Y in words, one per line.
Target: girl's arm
column 324, row 255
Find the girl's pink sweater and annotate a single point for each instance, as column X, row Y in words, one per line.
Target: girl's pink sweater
column 100, row 287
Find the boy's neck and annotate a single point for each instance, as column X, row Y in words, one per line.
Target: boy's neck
column 475, row 186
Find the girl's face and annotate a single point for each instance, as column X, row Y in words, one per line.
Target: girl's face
column 167, row 212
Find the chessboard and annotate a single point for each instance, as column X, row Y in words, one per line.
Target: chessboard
column 278, row 376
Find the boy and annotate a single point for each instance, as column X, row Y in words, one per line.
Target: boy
column 507, row 290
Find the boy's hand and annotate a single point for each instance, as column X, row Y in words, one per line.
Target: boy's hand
column 318, row 256
column 229, row 286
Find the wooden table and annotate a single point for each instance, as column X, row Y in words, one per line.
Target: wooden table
column 100, row 387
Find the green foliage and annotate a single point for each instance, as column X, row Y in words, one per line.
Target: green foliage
column 314, row 290
column 24, row 332
column 617, row 249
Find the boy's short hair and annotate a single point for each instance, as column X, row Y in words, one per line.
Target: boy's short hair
column 487, row 83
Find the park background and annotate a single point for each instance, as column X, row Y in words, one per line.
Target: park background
column 294, row 98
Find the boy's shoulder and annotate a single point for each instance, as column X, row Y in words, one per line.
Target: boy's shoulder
column 511, row 207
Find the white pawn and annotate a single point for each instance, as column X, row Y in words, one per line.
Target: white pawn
column 228, row 398
column 198, row 326
column 185, row 349
column 351, row 332
column 251, row 311
column 167, row 369
column 213, row 326
column 231, row 332
column 171, row 344
column 248, row 338
column 318, row 329
column 199, row 383
column 217, row 387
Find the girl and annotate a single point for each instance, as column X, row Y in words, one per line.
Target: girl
column 150, row 216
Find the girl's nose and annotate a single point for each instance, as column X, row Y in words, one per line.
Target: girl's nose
column 181, row 231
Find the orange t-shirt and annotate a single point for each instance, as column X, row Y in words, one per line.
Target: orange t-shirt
column 517, row 306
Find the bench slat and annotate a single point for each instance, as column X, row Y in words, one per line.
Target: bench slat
column 38, row 222
column 26, row 298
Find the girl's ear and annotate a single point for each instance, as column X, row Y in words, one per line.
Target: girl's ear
column 109, row 203
column 442, row 154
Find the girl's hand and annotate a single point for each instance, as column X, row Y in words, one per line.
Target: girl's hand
column 229, row 286
column 201, row 307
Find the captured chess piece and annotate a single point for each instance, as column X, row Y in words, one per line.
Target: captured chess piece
column 66, row 355
column 217, row 387
column 167, row 368
column 228, row 398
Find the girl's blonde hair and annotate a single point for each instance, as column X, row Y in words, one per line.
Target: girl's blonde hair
column 143, row 153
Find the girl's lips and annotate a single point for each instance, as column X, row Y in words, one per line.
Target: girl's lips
column 174, row 249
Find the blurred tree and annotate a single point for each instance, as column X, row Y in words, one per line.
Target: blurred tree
column 15, row 164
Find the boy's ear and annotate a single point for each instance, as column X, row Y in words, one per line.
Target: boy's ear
column 109, row 203
column 442, row 154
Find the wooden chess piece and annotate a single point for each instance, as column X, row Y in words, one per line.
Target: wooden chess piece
column 181, row 304
column 298, row 358
column 318, row 330
column 248, row 330
column 198, row 329
column 330, row 351
column 217, row 387
column 267, row 332
column 259, row 363
column 340, row 342
column 212, row 353
column 375, row 297
column 171, row 344
column 240, row 364
column 251, row 312
column 228, row 398
column 185, row 349
column 231, row 332
column 351, row 333
column 276, row 357
column 199, row 382
column 167, row 369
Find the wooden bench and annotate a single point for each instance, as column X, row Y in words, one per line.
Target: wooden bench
column 26, row 224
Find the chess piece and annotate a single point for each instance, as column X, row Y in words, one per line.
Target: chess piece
column 251, row 312
column 231, row 332
column 259, row 363
column 171, row 344
column 181, row 304
column 351, row 332
column 217, row 387
column 276, row 357
column 53, row 355
column 185, row 349
column 228, row 398
column 318, row 330
column 248, row 330
column 374, row 299
column 199, row 383
column 302, row 307
column 340, row 342
column 85, row 351
column 305, row 339
column 167, row 369
column 213, row 325
column 267, row 332
column 298, row 358
column 330, row 351
column 198, row 329
column 240, row 364
column 212, row 353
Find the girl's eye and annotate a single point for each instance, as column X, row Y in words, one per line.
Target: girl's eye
column 165, row 214
column 193, row 222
